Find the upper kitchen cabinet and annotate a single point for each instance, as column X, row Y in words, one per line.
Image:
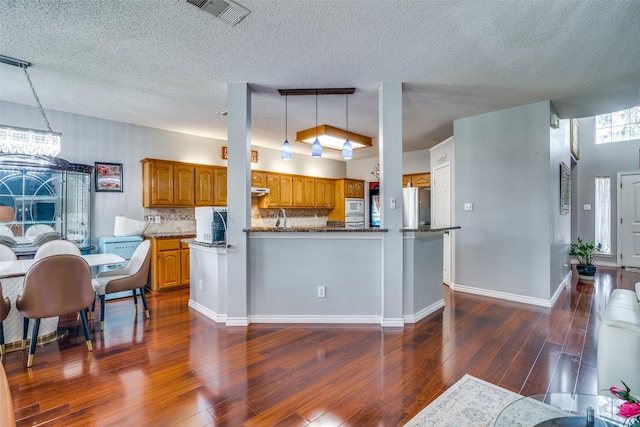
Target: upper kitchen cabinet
column 176, row 184
column 220, row 186
column 417, row 180
column 43, row 198
column 204, row 185
column 353, row 188
column 258, row 179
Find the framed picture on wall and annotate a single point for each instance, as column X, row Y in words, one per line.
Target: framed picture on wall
column 575, row 139
column 108, row 176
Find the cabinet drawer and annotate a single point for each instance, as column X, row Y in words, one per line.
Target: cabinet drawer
column 168, row 244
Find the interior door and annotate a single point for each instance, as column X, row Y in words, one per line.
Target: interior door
column 441, row 192
column 629, row 220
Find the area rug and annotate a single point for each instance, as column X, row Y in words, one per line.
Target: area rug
column 632, row 269
column 476, row 403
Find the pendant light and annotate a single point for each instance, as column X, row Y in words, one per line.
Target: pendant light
column 286, row 147
column 347, row 149
column 316, row 147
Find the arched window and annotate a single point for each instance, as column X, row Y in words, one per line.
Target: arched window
column 619, row 126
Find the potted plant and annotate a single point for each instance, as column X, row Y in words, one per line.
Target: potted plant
column 586, row 254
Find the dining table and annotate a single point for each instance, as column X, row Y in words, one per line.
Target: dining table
column 12, row 278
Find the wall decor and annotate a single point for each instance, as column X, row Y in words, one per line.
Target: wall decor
column 575, row 139
column 254, row 154
column 565, row 188
column 108, row 176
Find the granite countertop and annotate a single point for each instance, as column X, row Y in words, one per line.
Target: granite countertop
column 428, row 229
column 170, row 234
column 192, row 241
column 314, row 230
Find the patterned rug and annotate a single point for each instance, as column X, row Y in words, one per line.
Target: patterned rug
column 476, row 403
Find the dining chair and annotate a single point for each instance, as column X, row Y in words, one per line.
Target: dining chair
column 57, row 247
column 7, row 416
column 54, row 286
column 6, row 254
column 5, row 231
column 132, row 276
column 5, row 306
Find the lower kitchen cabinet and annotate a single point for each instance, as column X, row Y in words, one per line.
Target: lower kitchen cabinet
column 169, row 264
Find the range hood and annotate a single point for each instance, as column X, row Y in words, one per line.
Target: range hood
column 259, row 191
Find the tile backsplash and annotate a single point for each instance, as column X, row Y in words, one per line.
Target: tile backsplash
column 183, row 220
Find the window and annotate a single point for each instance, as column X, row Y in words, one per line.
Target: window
column 603, row 213
column 619, row 126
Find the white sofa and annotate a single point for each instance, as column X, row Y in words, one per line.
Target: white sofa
column 619, row 342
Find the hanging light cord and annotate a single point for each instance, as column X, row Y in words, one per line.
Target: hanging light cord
column 286, row 117
column 316, row 115
column 44, row 117
column 347, row 95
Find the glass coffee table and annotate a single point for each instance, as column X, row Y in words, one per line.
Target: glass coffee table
column 561, row 410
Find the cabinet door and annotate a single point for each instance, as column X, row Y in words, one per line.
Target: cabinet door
column 185, row 266
column 183, row 192
column 220, row 187
column 298, row 191
column 421, row 180
column 349, row 188
column 358, row 189
column 309, row 192
column 321, row 200
column 204, row 186
column 286, row 191
column 258, row 179
column 273, row 199
column 169, row 269
column 330, row 193
column 159, row 182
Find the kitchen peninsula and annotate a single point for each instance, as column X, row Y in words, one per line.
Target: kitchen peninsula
column 319, row 275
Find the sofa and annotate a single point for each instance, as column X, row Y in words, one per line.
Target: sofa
column 619, row 342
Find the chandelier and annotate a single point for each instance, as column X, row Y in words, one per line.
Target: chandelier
column 16, row 140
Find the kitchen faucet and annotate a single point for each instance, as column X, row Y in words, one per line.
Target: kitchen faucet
column 284, row 215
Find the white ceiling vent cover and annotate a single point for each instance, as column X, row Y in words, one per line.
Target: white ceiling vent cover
column 227, row 11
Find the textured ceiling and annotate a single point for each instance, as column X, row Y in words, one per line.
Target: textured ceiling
column 166, row 64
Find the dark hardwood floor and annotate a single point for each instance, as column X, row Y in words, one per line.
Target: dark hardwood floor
column 180, row 368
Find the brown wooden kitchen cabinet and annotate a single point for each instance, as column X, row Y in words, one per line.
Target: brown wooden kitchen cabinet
column 204, row 185
column 170, row 264
column 298, row 191
column 258, row 179
column 345, row 189
column 417, row 179
column 220, row 186
column 286, row 191
column 309, row 192
column 176, row 184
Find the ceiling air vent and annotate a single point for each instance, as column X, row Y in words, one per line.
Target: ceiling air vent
column 227, row 11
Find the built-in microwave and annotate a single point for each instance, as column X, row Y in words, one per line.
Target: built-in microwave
column 354, row 207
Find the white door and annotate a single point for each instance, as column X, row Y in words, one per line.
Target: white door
column 629, row 220
column 441, row 192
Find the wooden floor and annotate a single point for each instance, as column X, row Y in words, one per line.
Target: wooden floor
column 180, row 368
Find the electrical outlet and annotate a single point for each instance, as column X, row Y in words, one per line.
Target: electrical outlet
column 321, row 291
column 150, row 219
column 200, row 284
column 157, row 219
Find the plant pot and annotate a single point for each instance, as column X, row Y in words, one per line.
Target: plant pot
column 586, row 272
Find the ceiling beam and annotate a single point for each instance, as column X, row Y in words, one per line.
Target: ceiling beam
column 319, row 91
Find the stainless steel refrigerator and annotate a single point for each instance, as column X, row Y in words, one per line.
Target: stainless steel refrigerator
column 416, row 207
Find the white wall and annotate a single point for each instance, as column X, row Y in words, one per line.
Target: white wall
column 504, row 166
column 88, row 139
column 412, row 162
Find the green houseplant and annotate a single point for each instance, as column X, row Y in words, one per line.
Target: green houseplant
column 586, row 254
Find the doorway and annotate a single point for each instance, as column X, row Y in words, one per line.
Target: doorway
column 441, row 193
column 629, row 220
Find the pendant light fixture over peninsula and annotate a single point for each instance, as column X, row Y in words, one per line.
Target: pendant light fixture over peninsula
column 328, row 136
column 316, row 147
column 347, row 149
column 286, row 147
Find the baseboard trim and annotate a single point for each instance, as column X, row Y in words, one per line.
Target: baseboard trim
column 541, row 302
column 415, row 318
column 314, row 319
column 218, row 318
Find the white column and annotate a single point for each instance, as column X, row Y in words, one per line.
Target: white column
column 390, row 153
column 238, row 199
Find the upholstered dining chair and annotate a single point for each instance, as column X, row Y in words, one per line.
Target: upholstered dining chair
column 6, row 254
column 54, row 286
column 132, row 276
column 57, row 247
column 5, row 231
column 5, row 306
